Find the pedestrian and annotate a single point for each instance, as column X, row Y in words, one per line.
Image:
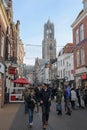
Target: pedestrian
column 31, row 100
column 85, row 96
column 73, row 98
column 78, row 93
column 58, row 101
column 37, row 95
column 67, row 99
column 45, row 101
column 25, row 95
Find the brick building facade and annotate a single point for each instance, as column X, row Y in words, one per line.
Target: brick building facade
column 79, row 27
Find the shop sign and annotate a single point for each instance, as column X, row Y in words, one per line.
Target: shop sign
column 84, row 76
column 11, row 70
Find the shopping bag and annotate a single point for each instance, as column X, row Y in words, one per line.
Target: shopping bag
column 58, row 107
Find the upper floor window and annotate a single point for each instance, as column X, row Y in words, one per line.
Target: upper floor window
column 82, row 56
column 2, row 45
column 77, row 36
column 81, row 32
column 78, row 58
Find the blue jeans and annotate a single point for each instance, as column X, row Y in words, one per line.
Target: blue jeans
column 45, row 114
column 31, row 112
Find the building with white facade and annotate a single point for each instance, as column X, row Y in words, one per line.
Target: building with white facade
column 65, row 66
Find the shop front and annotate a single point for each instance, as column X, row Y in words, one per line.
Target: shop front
column 84, row 80
column 16, row 94
column 81, row 77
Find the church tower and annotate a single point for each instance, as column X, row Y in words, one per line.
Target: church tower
column 49, row 42
column 84, row 4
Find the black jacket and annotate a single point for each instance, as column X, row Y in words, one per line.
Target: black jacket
column 31, row 100
column 45, row 96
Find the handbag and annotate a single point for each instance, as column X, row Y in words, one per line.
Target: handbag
column 58, row 107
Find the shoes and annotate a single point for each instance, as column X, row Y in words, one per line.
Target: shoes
column 44, row 126
column 67, row 113
column 31, row 125
column 46, row 123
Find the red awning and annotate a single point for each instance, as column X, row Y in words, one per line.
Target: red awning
column 21, row 81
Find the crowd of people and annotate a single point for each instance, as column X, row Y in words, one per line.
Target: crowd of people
column 42, row 97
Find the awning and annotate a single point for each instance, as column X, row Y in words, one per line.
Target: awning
column 21, row 81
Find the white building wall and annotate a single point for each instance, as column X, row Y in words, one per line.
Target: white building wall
column 65, row 66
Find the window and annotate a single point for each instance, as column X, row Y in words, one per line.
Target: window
column 2, row 45
column 82, row 56
column 50, row 47
column 63, row 72
column 61, row 62
column 81, row 32
column 78, row 58
column 77, row 36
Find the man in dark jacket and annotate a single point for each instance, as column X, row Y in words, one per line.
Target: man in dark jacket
column 67, row 97
column 45, row 102
column 25, row 94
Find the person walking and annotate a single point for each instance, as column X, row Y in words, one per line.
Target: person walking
column 78, row 93
column 37, row 95
column 58, row 101
column 25, row 95
column 45, row 101
column 73, row 98
column 85, row 96
column 31, row 100
column 67, row 98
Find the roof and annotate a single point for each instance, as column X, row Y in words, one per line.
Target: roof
column 79, row 14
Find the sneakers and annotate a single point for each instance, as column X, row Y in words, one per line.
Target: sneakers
column 31, row 124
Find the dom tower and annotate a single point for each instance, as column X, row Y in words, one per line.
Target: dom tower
column 49, row 42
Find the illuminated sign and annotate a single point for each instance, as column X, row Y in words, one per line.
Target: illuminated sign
column 84, row 76
column 11, row 70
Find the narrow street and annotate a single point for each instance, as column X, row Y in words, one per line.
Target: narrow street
column 77, row 121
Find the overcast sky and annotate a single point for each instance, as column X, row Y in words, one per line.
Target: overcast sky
column 33, row 14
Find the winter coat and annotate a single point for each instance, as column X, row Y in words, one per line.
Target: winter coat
column 67, row 93
column 73, row 95
column 45, row 95
column 59, row 96
column 31, row 100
